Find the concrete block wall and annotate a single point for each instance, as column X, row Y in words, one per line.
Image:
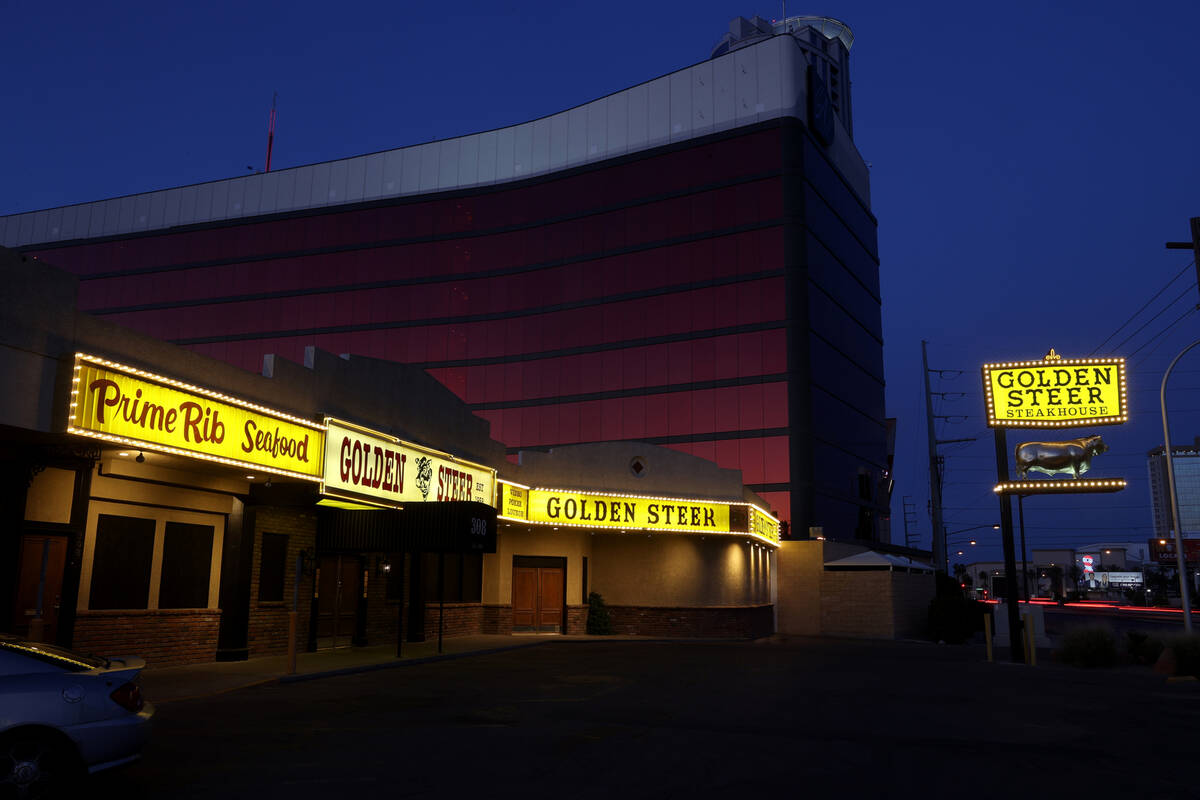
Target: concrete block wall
column 857, row 603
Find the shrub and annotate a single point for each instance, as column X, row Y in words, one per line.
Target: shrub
column 1142, row 648
column 598, row 621
column 953, row 618
column 1090, row 647
column 1187, row 654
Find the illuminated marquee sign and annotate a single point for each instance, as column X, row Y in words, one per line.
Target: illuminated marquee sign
column 1056, row 393
column 635, row 512
column 369, row 466
column 514, row 501
column 124, row 405
column 1162, row 551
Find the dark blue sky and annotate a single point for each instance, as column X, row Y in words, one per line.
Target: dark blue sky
column 1027, row 162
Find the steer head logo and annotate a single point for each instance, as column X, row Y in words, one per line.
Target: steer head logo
column 424, row 475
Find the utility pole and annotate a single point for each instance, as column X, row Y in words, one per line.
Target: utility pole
column 1193, row 245
column 936, row 463
column 910, row 518
column 935, row 482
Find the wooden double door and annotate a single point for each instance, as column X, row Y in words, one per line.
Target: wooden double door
column 35, row 547
column 338, row 588
column 539, row 594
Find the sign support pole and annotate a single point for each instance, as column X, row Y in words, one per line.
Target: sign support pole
column 400, row 606
column 1010, row 556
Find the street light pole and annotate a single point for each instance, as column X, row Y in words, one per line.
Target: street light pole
column 1024, row 566
column 1184, row 578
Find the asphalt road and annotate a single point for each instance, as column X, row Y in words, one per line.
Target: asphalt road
column 625, row 720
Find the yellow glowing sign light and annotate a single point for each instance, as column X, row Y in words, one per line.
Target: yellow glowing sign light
column 623, row 512
column 1106, row 485
column 1056, row 394
column 124, row 405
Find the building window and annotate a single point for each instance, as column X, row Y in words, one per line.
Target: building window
column 121, row 564
column 395, row 577
column 272, row 567
column 462, row 577
column 186, row 565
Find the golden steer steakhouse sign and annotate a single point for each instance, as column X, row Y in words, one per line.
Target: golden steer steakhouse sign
column 121, row 404
column 1056, row 393
column 625, row 512
column 368, row 466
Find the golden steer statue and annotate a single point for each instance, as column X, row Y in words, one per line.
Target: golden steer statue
column 1073, row 457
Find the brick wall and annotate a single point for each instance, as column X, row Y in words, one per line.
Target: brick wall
column 496, row 619
column 857, row 603
column 462, row 619
column 714, row 622
column 164, row 638
column 269, row 620
column 576, row 619
column 381, row 612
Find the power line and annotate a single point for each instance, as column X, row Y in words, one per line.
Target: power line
column 1160, row 333
column 1186, row 290
column 1143, row 308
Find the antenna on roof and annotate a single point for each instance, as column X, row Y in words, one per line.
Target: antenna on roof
column 271, row 130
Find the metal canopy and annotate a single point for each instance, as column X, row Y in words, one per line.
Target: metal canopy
column 451, row 527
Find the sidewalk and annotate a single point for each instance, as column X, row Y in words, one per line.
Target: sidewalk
column 172, row 684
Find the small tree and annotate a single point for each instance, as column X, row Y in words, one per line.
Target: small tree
column 599, row 623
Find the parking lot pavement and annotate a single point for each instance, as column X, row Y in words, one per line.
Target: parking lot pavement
column 656, row 719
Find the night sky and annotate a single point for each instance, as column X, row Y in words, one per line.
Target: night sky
column 1028, row 161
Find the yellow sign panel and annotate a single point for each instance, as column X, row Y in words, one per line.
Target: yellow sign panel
column 364, row 464
column 126, row 405
column 618, row 511
column 1056, row 394
column 514, row 501
column 635, row 512
column 764, row 525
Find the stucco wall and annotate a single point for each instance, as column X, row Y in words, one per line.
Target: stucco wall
column 515, row 541
column 801, row 564
column 657, row 570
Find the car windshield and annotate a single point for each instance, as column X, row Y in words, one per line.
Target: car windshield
column 51, row 654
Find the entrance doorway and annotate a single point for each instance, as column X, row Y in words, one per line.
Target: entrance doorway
column 538, row 594
column 32, row 548
column 337, row 601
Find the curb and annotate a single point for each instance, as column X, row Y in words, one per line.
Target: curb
column 404, row 662
column 218, row 692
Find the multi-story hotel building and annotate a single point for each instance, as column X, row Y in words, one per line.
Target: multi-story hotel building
column 689, row 262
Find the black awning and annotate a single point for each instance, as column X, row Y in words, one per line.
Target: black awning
column 453, row 527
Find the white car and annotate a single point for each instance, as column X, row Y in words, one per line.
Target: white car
column 63, row 714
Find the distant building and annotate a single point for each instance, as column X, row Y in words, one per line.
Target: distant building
column 1186, row 459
